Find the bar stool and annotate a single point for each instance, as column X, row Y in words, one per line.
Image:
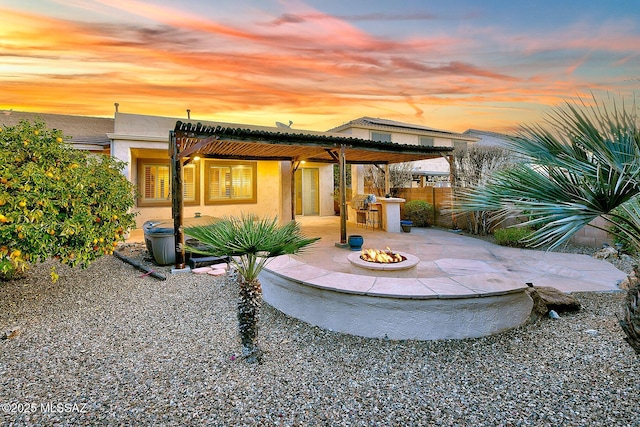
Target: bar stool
column 373, row 217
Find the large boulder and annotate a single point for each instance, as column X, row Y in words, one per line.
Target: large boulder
column 557, row 300
column 630, row 319
column 631, row 279
column 606, row 253
column 547, row 298
column 539, row 309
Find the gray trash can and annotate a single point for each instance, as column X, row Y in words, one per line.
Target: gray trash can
column 160, row 243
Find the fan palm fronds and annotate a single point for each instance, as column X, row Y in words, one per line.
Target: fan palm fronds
column 250, row 242
column 583, row 165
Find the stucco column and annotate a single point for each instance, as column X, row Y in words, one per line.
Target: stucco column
column 286, row 191
column 357, row 179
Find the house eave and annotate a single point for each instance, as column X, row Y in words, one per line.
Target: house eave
column 369, row 124
column 122, row 137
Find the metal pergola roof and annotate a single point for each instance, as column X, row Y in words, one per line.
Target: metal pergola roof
column 258, row 144
column 188, row 140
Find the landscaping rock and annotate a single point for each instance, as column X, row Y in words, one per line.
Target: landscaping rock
column 546, row 299
column 557, row 300
column 540, row 308
column 606, row 253
column 631, row 280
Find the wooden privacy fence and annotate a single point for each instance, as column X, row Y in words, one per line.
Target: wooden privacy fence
column 440, row 199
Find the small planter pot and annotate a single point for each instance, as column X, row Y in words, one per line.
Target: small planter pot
column 355, row 242
column 406, row 226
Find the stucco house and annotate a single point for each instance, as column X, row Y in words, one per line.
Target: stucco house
column 220, row 186
column 85, row 133
column 407, row 133
column 226, row 186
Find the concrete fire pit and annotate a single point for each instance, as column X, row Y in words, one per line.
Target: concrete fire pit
column 406, row 268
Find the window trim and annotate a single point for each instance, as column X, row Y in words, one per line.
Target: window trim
column 196, row 184
column 380, row 133
column 230, row 200
column 142, row 202
column 461, row 144
column 432, row 141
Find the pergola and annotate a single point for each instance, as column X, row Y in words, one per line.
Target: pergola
column 188, row 139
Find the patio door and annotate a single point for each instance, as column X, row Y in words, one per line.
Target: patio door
column 307, row 191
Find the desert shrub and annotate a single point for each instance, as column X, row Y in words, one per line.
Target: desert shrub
column 418, row 211
column 400, row 175
column 513, row 236
column 473, row 167
column 56, row 201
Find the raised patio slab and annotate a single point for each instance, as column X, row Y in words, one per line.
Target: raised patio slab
column 395, row 308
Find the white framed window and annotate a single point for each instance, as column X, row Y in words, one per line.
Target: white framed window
column 230, row 182
column 154, row 183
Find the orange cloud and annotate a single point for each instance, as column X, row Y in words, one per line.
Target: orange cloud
column 319, row 70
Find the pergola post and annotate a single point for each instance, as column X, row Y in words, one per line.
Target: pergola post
column 342, row 168
column 294, row 168
column 177, row 206
column 387, row 180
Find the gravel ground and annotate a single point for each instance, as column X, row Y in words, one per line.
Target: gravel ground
column 105, row 346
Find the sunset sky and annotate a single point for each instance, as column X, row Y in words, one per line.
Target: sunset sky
column 451, row 65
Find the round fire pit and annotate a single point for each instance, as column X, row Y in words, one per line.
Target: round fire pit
column 404, row 268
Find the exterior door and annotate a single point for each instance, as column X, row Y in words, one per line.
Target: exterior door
column 307, row 191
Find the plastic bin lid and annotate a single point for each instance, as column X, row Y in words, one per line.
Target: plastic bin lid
column 160, row 230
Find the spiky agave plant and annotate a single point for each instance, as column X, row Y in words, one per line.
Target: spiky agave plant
column 250, row 242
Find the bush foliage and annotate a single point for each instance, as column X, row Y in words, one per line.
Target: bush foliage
column 56, row 201
column 514, row 236
column 418, row 211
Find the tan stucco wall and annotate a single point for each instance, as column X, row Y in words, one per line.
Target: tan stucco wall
column 326, row 189
column 268, row 204
column 140, row 136
column 433, row 165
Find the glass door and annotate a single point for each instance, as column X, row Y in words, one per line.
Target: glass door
column 307, row 191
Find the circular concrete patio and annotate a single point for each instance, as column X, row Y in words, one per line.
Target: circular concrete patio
column 463, row 287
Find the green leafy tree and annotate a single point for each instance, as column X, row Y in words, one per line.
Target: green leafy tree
column 56, row 201
column 250, row 242
column 584, row 164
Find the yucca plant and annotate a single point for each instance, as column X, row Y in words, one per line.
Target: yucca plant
column 250, row 242
column 583, row 164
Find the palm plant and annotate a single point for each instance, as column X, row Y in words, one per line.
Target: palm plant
column 250, row 242
column 584, row 165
